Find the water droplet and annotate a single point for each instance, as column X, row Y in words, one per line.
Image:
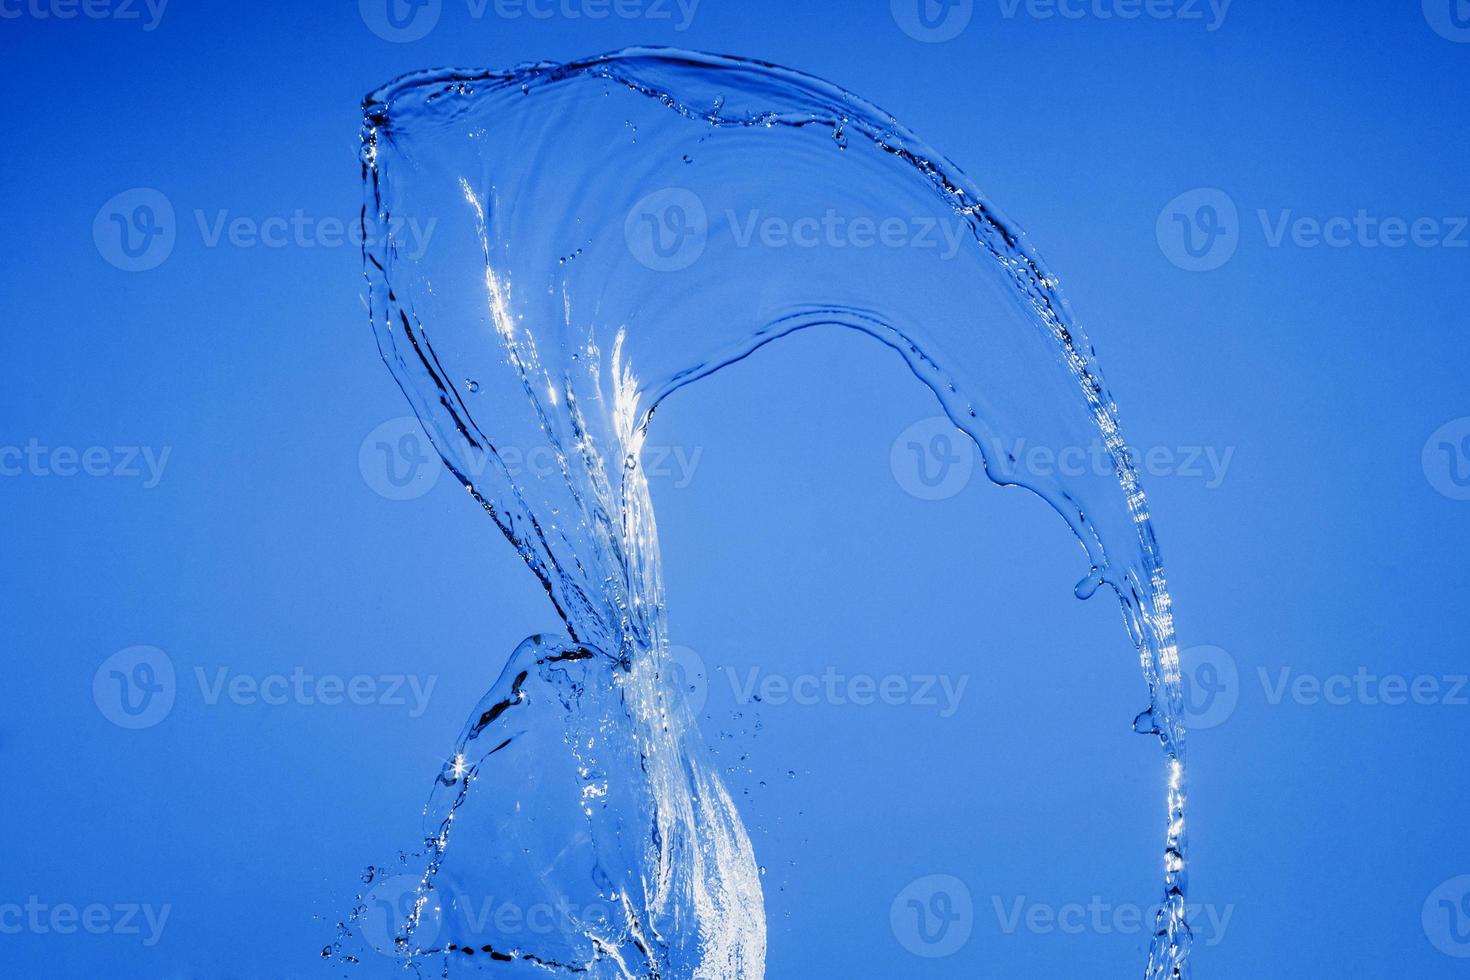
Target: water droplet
column 1089, row 585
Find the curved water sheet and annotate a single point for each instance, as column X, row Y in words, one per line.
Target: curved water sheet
column 601, row 239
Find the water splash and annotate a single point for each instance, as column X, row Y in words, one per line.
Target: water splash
column 609, row 231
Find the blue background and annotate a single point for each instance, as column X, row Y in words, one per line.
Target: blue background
column 1320, row 829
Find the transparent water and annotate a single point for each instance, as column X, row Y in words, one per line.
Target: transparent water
column 599, row 245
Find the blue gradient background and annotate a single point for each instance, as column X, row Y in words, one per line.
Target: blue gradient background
column 1319, row 829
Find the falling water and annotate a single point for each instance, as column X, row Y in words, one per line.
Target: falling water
column 599, row 245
